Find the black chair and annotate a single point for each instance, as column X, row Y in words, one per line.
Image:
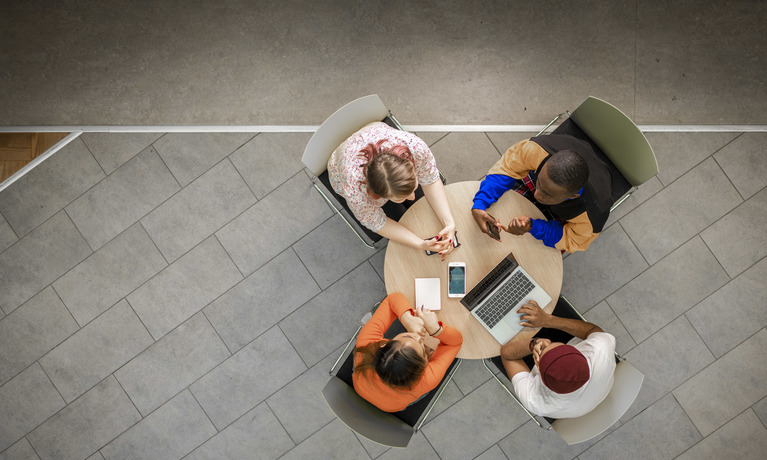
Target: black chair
column 389, row 429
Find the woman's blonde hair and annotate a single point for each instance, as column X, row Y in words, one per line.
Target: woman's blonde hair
column 389, row 172
column 397, row 365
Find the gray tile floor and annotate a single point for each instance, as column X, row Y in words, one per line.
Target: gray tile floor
column 177, row 296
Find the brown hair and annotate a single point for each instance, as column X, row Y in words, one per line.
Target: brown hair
column 389, row 172
column 397, row 365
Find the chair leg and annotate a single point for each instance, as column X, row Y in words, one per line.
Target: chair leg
column 622, row 199
column 329, row 202
column 439, row 393
column 511, row 393
column 551, row 123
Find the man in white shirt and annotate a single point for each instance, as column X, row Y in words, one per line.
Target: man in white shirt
column 568, row 380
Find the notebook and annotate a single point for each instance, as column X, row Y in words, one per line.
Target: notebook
column 427, row 293
column 494, row 301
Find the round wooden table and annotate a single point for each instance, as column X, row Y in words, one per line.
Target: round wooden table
column 481, row 253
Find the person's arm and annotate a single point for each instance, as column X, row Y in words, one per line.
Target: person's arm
column 577, row 234
column 395, row 231
column 548, row 231
column 437, row 198
column 450, row 341
column 394, row 306
column 534, row 316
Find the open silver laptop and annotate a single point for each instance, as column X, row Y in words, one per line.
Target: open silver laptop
column 494, row 301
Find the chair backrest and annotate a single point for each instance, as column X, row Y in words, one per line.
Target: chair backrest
column 338, row 127
column 363, row 417
column 618, row 137
column 628, row 381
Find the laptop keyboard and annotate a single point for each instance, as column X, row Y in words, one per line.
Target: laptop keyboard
column 505, row 298
column 476, row 292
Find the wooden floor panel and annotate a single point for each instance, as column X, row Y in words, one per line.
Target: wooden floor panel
column 18, row 149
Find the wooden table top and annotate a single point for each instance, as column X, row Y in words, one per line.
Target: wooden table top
column 480, row 253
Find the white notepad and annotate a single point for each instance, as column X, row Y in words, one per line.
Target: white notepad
column 427, row 293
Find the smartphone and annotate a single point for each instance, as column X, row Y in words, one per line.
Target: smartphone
column 493, row 230
column 456, row 279
column 455, row 244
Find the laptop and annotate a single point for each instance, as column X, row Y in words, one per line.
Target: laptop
column 494, row 301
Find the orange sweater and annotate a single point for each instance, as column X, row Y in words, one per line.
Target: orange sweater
column 370, row 386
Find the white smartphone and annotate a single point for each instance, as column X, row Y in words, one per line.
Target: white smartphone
column 456, row 279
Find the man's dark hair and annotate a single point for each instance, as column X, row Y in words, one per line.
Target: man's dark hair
column 568, row 169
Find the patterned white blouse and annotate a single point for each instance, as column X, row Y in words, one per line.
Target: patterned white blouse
column 345, row 169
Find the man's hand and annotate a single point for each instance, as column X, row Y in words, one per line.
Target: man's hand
column 483, row 220
column 533, row 315
column 520, row 225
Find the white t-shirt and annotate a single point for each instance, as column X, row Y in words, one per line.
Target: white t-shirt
column 599, row 350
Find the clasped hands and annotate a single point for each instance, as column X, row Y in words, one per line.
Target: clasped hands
column 442, row 243
column 420, row 320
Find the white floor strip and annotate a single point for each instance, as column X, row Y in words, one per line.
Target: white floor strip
column 313, row 128
column 39, row 159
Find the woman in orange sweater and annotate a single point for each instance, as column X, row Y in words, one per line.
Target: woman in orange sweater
column 391, row 374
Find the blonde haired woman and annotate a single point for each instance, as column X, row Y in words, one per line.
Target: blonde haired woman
column 379, row 165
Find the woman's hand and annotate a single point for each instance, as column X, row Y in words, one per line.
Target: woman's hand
column 430, row 320
column 436, row 244
column 413, row 323
column 447, row 234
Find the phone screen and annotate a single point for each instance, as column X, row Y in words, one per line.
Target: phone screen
column 457, row 280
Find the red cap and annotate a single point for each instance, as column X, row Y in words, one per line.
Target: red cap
column 564, row 369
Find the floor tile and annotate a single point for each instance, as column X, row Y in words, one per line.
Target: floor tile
column 643, row 193
column 256, row 435
column 46, row 189
column 199, row 209
column 662, row 431
column 586, row 282
column 430, row 137
column 31, row 331
column 334, row 441
column 261, row 300
column 184, row 287
column 377, row 261
column 667, row 359
column 604, row 316
column 22, row 450
column 479, row 420
column 736, row 380
column 85, row 425
column 188, row 155
column 305, row 392
column 121, row 199
column 739, row 239
column 270, row 159
column 471, row 375
column 172, row 363
column 743, row 162
column 686, row 76
column 30, row 265
column 96, row 456
column 493, row 453
column 532, row 441
column 760, row 409
column 248, row 378
column 266, row 229
column 681, row 210
column 336, row 312
column 7, row 236
column 109, row 274
column 744, row 437
column 330, row 251
column 96, row 351
column 170, row 432
column 451, row 152
column 26, row 401
column 733, row 313
column 112, row 150
column 679, row 281
column 678, row 153
column 418, row 448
